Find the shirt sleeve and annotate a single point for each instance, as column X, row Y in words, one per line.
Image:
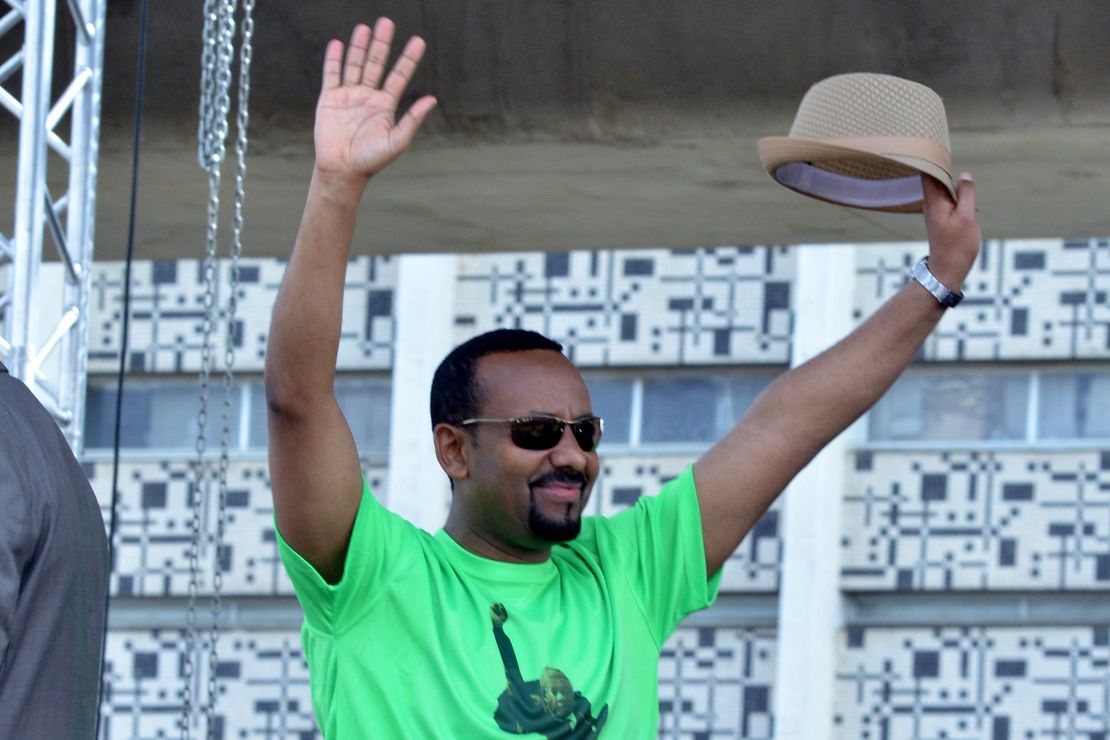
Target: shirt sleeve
column 381, row 548
column 660, row 544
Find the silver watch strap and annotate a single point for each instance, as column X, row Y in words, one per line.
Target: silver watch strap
column 920, row 273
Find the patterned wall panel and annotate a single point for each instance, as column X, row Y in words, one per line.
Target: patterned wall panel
column 648, row 307
column 155, row 524
column 713, row 683
column 262, row 686
column 1025, row 299
column 977, row 520
column 717, row 683
column 155, row 520
column 754, row 567
column 167, row 314
column 974, row 682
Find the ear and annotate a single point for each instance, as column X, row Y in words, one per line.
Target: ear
column 452, row 450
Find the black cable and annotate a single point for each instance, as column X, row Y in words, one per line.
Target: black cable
column 124, row 332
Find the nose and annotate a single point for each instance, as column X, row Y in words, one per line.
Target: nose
column 568, row 454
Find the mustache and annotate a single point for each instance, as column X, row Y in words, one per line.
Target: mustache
column 561, row 477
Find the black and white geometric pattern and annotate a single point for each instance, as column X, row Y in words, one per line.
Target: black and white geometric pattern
column 977, row 520
column 717, row 683
column 262, row 686
column 753, row 568
column 155, row 514
column 724, row 305
column 713, row 683
column 1025, row 300
column 991, row 520
column 167, row 315
column 155, row 522
column 974, row 682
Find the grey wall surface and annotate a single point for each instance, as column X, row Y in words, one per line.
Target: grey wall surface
column 499, row 64
column 567, row 125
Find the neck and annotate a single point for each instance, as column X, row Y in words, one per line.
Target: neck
column 485, row 545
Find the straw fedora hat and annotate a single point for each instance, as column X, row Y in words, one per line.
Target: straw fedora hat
column 863, row 140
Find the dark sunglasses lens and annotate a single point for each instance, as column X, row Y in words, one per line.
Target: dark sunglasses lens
column 537, row 434
column 587, row 433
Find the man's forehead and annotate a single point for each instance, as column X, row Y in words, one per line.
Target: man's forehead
column 534, row 358
column 537, row 374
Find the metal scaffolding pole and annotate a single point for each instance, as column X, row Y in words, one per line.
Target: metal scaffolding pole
column 42, row 343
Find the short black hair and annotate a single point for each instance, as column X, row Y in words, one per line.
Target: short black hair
column 455, row 392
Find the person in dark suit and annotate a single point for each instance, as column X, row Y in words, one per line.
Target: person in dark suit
column 53, row 577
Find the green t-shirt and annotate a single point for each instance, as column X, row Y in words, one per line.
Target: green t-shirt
column 423, row 639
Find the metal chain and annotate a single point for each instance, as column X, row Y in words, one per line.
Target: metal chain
column 200, row 469
column 218, row 39
column 216, row 58
column 208, row 72
column 242, row 120
column 210, row 280
column 207, row 94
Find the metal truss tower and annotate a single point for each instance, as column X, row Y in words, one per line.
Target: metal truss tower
column 43, row 326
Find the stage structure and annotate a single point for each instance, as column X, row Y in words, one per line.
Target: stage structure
column 48, row 348
column 48, row 351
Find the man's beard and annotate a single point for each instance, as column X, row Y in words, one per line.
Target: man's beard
column 553, row 528
column 557, row 528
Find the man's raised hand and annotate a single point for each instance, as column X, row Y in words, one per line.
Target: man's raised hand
column 953, row 229
column 357, row 132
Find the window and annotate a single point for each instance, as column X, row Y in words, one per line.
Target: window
column 696, row 409
column 157, row 414
column 1075, row 405
column 945, row 406
column 366, row 404
column 612, row 401
column 665, row 408
column 162, row 414
column 994, row 405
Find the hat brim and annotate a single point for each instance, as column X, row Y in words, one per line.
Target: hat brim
column 809, row 166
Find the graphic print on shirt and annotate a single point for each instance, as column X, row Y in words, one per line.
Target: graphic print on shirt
column 549, row 706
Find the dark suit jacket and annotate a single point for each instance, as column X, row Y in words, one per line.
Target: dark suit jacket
column 53, row 577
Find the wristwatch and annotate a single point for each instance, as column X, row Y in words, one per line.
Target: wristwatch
column 947, row 298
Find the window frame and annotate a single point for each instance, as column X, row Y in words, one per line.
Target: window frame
column 1032, row 439
column 241, row 448
column 637, row 377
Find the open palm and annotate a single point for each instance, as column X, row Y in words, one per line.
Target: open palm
column 357, row 131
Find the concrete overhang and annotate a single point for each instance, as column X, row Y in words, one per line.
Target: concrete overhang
column 613, row 123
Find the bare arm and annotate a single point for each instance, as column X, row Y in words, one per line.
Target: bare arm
column 314, row 468
column 804, row 409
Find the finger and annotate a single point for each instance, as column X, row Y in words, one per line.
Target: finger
column 379, row 52
column 356, row 54
column 411, row 122
column 405, row 68
column 937, row 195
column 333, row 60
column 965, row 195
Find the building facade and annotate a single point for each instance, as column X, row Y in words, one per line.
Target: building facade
column 941, row 570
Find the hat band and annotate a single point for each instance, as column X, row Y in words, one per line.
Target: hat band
column 929, row 150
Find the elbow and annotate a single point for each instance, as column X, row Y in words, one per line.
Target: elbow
column 295, row 389
column 280, row 408
column 284, row 399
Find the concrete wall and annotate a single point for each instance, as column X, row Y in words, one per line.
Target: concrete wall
column 499, row 65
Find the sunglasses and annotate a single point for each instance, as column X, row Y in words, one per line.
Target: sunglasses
column 543, row 432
